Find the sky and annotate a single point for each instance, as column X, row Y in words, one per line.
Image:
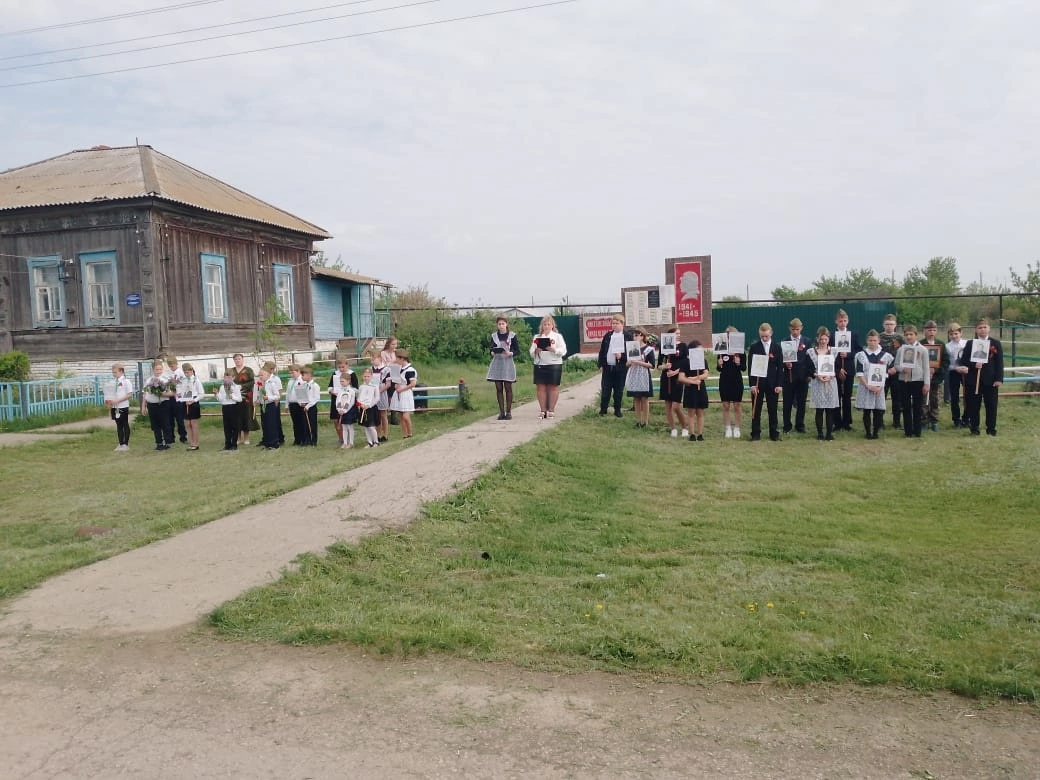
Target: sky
column 562, row 153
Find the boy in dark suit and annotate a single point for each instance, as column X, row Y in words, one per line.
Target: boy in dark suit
column 982, row 379
column 796, row 379
column 844, row 367
column 766, row 388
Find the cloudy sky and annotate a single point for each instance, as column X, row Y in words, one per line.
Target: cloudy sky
column 564, row 152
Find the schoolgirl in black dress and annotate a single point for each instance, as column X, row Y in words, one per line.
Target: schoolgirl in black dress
column 731, row 390
column 695, row 393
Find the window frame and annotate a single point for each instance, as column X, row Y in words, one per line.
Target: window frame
column 48, row 261
column 86, row 260
column 207, row 260
column 285, row 271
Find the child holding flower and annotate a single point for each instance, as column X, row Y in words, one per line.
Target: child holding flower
column 158, row 392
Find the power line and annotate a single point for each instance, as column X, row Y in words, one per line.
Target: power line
column 180, row 32
column 223, row 35
column 112, row 18
column 265, row 49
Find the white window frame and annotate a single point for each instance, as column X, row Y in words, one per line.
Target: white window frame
column 214, row 287
column 48, row 301
column 284, row 289
column 99, row 314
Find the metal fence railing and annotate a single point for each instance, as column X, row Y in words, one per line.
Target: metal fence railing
column 47, row 396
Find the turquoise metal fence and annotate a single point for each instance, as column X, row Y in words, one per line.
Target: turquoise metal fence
column 47, row 396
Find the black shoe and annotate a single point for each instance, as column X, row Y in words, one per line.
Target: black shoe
column 501, row 416
column 974, row 431
column 700, row 436
column 617, row 413
column 788, row 429
column 828, row 437
column 774, row 437
column 602, row 412
column 991, row 433
column 755, row 438
column 819, row 437
column 509, row 415
column 800, row 430
column 160, row 447
column 382, row 439
column 693, row 437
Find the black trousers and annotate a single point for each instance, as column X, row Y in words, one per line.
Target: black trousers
column 795, row 393
column 122, row 418
column 892, row 387
column 232, row 417
column 178, row 417
column 843, row 415
column 913, row 406
column 298, row 417
column 766, row 397
column 954, row 383
column 611, row 382
column 271, row 425
column 160, row 416
column 987, row 396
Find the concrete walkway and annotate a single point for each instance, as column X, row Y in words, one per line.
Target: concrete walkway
column 176, row 581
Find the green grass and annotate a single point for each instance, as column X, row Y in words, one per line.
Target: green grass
column 53, row 488
column 914, row 563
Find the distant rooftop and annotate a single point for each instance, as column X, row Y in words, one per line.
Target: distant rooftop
column 104, row 173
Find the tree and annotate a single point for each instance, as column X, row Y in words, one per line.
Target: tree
column 785, row 293
column 939, row 277
column 857, row 283
column 321, row 260
column 414, row 314
column 1029, row 283
column 732, row 302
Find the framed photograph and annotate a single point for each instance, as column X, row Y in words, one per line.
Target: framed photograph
column 368, row 395
column 906, row 358
column 721, row 342
column 934, row 354
column 668, row 344
column 395, row 374
column 736, row 343
column 696, row 359
column 980, row 351
column 790, row 350
column 109, row 389
column 632, row 351
column 760, row 366
column 842, row 341
column 301, row 393
column 876, row 375
column 825, row 365
column 184, row 391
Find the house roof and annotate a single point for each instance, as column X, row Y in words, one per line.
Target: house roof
column 103, row 173
column 346, row 276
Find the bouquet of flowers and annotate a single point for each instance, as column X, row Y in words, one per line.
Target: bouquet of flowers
column 161, row 385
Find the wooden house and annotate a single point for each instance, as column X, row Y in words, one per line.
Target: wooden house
column 124, row 253
column 347, row 317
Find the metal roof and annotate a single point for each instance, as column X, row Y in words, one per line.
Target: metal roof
column 103, row 173
column 335, row 273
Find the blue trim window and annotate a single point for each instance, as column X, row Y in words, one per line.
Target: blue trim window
column 283, row 290
column 214, row 288
column 99, row 288
column 48, row 292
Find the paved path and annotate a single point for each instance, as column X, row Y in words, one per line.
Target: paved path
column 174, row 582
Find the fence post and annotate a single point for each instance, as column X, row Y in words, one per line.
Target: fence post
column 463, row 394
column 1014, row 341
column 23, row 397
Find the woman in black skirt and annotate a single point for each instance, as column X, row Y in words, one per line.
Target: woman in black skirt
column 671, row 391
column 502, row 371
column 731, row 390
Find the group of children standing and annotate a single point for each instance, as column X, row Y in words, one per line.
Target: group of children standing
column 834, row 373
column 172, row 395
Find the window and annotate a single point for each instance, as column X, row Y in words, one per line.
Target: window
column 99, row 288
column 214, row 288
column 283, row 290
column 48, row 292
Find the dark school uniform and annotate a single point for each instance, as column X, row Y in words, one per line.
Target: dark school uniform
column 767, row 385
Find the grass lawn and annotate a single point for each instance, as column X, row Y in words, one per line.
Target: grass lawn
column 597, row 545
column 53, row 488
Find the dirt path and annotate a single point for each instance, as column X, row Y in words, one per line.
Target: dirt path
column 107, row 672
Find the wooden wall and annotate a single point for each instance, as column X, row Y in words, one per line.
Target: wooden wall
column 158, row 247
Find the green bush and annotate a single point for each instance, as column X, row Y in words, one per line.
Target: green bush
column 14, row 366
column 462, row 338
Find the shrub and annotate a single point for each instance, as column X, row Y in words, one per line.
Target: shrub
column 14, row 366
column 462, row 338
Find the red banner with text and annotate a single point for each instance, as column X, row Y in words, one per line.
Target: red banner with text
column 688, row 293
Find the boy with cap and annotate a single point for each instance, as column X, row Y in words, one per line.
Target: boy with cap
column 939, row 364
column 796, row 379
